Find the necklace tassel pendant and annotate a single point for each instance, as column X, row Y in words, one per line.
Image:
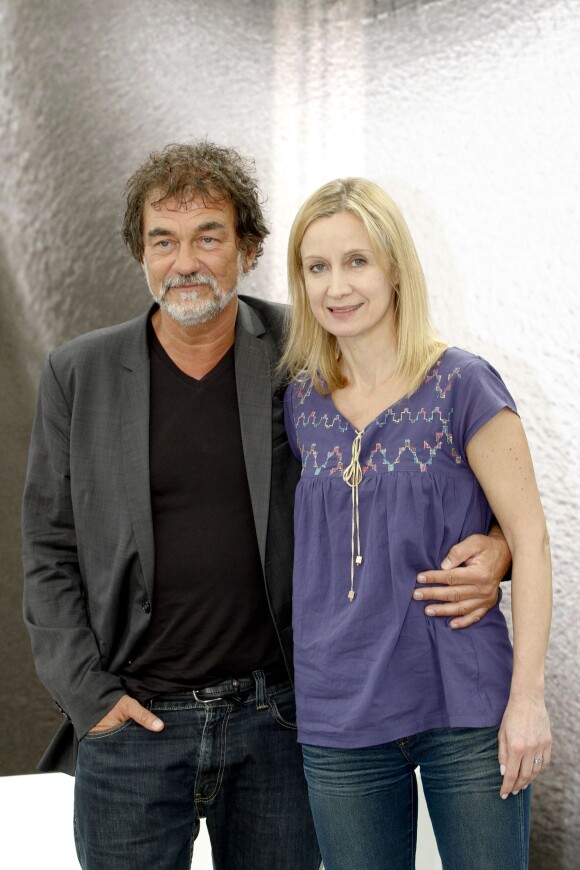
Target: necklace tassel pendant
column 351, row 595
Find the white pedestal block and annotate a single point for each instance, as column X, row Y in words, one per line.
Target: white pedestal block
column 37, row 834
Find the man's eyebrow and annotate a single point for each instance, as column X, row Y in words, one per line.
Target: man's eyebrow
column 210, row 225
column 200, row 228
column 158, row 231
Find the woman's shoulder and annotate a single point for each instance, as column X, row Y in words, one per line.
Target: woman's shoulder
column 473, row 389
column 461, row 366
column 302, row 390
column 458, row 358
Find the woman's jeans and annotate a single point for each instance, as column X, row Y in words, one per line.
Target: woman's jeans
column 364, row 803
column 139, row 795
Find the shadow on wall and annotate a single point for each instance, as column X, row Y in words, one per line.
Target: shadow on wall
column 25, row 704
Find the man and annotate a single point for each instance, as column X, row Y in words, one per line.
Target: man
column 158, row 546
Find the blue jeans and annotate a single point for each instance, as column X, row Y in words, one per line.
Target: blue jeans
column 139, row 795
column 364, row 803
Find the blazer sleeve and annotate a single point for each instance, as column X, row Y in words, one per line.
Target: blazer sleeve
column 64, row 647
column 290, row 422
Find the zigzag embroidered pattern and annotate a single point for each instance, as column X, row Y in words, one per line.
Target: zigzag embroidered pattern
column 378, row 456
column 434, row 373
column 335, row 455
column 423, row 464
column 323, row 420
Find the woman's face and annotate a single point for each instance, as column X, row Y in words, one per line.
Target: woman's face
column 349, row 292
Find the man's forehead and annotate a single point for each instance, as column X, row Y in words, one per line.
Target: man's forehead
column 188, row 201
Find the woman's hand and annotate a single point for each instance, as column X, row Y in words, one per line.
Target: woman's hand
column 524, row 739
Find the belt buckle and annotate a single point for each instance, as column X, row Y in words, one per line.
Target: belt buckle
column 203, row 700
column 234, row 695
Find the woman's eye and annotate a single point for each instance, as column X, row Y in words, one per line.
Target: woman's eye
column 317, row 267
column 358, row 261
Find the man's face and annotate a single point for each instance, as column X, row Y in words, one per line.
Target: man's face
column 191, row 258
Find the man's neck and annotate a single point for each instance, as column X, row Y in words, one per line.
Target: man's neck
column 197, row 349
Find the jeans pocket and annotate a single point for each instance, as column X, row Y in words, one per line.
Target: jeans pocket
column 110, row 732
column 283, row 709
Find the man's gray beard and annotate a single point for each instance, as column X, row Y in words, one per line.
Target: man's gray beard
column 192, row 309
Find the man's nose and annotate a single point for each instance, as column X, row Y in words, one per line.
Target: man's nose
column 186, row 261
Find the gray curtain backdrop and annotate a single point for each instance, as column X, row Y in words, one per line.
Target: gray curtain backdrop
column 464, row 109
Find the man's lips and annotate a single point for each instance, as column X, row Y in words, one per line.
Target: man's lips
column 186, row 289
column 193, row 286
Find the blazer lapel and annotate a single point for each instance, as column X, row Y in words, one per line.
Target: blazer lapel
column 254, row 387
column 135, row 445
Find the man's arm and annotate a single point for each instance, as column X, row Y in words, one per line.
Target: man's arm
column 65, row 650
column 471, row 573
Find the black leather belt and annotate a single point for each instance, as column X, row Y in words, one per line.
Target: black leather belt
column 233, row 688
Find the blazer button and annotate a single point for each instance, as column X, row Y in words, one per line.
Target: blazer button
column 146, row 606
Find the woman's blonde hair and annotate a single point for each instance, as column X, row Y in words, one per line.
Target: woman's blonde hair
column 310, row 349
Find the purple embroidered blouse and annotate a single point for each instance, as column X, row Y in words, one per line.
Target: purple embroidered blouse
column 378, row 669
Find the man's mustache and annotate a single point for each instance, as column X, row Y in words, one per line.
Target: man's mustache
column 185, row 280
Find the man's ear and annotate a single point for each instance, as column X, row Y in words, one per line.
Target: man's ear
column 249, row 257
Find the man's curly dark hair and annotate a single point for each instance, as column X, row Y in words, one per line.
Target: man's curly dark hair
column 198, row 170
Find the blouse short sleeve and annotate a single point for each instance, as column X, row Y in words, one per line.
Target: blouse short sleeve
column 290, row 421
column 480, row 395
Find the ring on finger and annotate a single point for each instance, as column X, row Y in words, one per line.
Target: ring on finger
column 539, row 760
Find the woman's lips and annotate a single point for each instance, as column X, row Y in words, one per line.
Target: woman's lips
column 344, row 310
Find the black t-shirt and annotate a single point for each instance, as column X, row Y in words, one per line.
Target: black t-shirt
column 210, row 617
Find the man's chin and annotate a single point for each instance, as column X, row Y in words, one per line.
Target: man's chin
column 203, row 311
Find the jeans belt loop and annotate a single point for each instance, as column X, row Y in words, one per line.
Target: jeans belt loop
column 261, row 699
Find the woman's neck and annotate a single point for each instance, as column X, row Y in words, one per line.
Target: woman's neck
column 373, row 383
column 368, row 361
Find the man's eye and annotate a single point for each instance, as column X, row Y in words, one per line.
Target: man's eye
column 162, row 243
column 207, row 240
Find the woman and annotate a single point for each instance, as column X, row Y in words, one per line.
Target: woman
column 407, row 446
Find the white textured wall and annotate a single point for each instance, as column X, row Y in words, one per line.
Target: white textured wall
column 466, row 111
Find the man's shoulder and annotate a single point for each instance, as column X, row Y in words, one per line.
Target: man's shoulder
column 272, row 314
column 105, row 343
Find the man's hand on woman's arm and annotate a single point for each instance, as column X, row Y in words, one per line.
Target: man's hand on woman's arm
column 468, row 580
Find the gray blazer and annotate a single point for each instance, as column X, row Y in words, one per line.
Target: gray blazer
column 88, row 546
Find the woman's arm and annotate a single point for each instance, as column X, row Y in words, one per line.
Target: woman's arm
column 500, row 458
